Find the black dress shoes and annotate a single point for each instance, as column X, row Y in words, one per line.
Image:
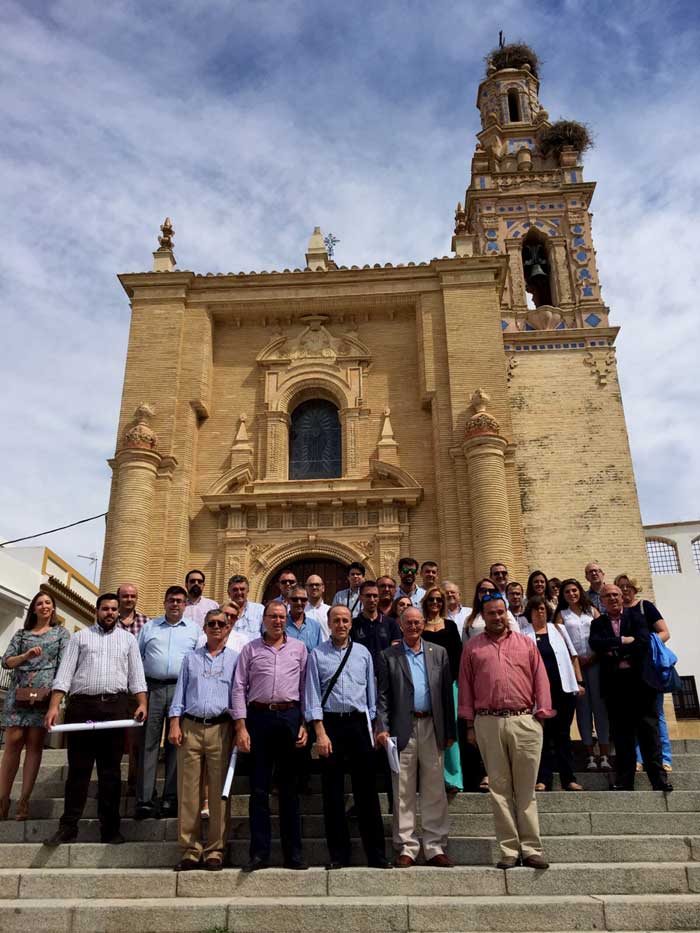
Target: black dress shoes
column 188, row 864
column 115, row 839
column 381, row 863
column 665, row 786
column 144, row 813
column 167, row 810
column 334, row 866
column 295, row 864
column 61, row 836
column 255, row 864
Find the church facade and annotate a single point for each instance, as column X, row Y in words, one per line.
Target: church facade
column 464, row 409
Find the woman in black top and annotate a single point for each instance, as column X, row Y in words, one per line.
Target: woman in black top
column 442, row 631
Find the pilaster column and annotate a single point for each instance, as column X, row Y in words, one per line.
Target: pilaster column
column 484, row 450
column 564, row 297
column 136, row 467
column 517, row 276
column 276, row 445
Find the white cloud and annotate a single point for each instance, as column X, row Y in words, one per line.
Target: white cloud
column 250, row 123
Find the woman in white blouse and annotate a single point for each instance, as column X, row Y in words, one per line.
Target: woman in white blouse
column 565, row 683
column 576, row 613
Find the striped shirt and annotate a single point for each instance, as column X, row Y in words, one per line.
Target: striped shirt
column 98, row 662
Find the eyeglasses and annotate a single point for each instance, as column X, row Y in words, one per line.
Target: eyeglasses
column 408, row 571
column 212, row 624
column 287, row 582
column 297, row 599
column 500, row 573
column 483, row 589
column 434, row 599
column 197, row 580
column 492, row 594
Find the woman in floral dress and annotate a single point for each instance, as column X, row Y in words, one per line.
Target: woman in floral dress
column 34, row 654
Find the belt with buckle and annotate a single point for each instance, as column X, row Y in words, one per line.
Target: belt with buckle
column 161, row 683
column 417, row 715
column 102, row 697
column 208, row 720
column 503, row 712
column 274, row 707
column 352, row 714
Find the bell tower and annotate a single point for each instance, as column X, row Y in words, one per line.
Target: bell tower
column 527, row 201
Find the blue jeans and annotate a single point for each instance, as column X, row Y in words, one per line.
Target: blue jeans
column 666, row 753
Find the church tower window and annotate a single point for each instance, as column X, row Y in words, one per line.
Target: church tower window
column 315, row 441
column 513, row 106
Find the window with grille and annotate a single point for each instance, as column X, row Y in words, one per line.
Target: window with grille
column 663, row 556
column 314, row 441
column 685, row 700
column 696, row 553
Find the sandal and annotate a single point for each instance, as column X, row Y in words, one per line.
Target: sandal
column 22, row 812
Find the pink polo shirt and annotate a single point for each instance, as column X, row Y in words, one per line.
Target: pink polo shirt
column 503, row 673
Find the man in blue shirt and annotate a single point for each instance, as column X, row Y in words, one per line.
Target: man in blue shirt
column 350, row 597
column 343, row 739
column 299, row 625
column 163, row 643
column 202, row 731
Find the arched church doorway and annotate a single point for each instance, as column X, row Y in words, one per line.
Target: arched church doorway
column 333, row 573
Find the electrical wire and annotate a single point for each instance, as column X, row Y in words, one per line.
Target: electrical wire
column 51, row 531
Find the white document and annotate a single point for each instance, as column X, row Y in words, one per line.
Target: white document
column 89, row 726
column 392, row 753
column 226, row 792
column 369, row 728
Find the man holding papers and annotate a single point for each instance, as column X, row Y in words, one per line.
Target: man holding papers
column 340, row 700
column 202, row 731
column 100, row 668
column 416, row 705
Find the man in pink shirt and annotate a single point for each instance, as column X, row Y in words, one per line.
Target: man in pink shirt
column 267, row 709
column 503, row 692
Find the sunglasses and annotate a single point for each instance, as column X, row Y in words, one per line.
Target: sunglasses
column 482, row 590
column 217, row 624
column 297, row 599
column 287, row 582
column 435, row 599
column 492, row 595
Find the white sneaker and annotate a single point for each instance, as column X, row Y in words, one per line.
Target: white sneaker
column 604, row 764
column 592, row 764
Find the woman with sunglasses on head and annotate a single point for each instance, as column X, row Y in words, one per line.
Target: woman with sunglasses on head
column 576, row 612
column 443, row 631
column 34, row 654
column 632, row 601
column 474, row 623
column 565, row 683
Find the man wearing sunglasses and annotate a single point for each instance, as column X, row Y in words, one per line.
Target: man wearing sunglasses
column 285, row 582
column 408, row 570
column 499, row 574
column 202, row 731
column 197, row 605
column 299, row 624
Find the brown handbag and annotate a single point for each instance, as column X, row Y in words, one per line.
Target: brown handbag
column 36, row 698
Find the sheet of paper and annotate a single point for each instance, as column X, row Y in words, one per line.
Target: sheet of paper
column 369, row 728
column 392, row 753
column 226, row 792
column 89, row 726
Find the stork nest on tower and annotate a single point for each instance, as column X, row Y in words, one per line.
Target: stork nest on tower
column 552, row 139
column 514, row 55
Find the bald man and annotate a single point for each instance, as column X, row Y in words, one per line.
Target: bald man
column 316, row 608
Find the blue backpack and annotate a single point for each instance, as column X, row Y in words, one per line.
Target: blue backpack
column 659, row 668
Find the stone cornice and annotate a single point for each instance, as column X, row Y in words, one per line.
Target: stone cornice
column 572, row 338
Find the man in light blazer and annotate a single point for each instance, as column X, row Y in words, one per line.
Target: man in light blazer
column 415, row 704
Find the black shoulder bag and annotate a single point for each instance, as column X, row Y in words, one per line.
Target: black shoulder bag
column 334, row 679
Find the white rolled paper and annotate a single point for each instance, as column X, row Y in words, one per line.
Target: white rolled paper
column 89, row 726
column 392, row 753
column 226, row 792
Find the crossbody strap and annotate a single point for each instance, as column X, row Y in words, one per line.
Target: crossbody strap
column 334, row 679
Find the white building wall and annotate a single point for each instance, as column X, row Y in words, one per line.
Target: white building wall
column 678, row 596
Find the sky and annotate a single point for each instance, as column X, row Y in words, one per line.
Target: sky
column 250, row 122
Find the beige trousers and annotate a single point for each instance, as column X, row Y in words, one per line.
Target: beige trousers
column 511, row 748
column 202, row 746
column 421, row 754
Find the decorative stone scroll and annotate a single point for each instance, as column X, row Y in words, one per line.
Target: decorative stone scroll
column 140, row 435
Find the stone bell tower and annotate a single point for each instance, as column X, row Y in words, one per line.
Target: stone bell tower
column 527, row 200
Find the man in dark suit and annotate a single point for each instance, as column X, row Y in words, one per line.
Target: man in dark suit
column 415, row 704
column 620, row 638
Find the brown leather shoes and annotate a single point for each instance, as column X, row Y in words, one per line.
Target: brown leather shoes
column 439, row 861
column 404, row 861
column 508, row 861
column 535, row 861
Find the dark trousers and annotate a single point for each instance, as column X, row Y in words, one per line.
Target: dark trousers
column 103, row 748
column 634, row 718
column 160, row 696
column 273, row 735
column 473, row 770
column 557, row 753
column 352, row 752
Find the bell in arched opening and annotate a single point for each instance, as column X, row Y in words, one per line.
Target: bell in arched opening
column 537, row 270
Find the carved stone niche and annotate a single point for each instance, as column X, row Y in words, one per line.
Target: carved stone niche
column 314, row 363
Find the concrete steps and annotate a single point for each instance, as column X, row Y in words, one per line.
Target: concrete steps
column 620, row 861
column 429, row 914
